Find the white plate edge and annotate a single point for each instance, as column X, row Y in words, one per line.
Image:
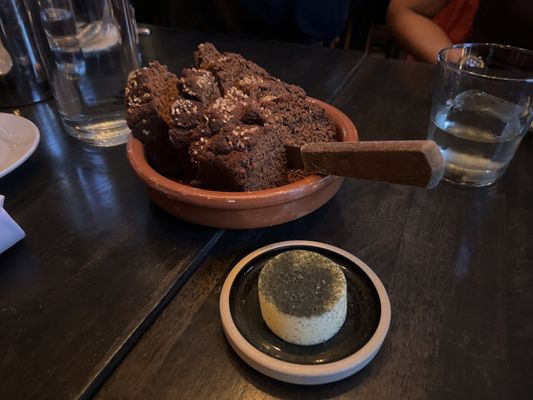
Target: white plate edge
column 31, row 149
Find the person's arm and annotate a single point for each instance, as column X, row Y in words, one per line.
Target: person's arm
column 410, row 23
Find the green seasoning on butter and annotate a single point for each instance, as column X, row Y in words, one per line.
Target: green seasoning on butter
column 302, row 295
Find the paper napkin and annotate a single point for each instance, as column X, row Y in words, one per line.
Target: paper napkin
column 10, row 232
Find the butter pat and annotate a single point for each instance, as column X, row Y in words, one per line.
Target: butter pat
column 302, row 296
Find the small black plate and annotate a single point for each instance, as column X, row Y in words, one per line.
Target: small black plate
column 362, row 317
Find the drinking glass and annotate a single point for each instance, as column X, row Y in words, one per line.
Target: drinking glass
column 482, row 108
column 93, row 47
column 22, row 75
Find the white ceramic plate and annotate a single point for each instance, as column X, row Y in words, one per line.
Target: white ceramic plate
column 352, row 348
column 19, row 138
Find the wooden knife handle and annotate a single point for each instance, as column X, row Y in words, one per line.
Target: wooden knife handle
column 407, row 162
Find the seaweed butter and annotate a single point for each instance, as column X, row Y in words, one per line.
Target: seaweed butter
column 302, row 296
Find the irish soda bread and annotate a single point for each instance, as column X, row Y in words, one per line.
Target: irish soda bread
column 223, row 124
column 302, row 296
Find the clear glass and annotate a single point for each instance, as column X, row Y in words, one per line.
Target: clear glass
column 22, row 75
column 482, row 108
column 93, row 48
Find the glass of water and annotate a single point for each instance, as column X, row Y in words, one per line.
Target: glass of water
column 482, row 108
column 92, row 48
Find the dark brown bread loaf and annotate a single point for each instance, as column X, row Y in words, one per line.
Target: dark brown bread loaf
column 233, row 70
column 149, row 93
column 188, row 124
column 205, row 55
column 264, row 88
column 228, row 68
column 223, row 125
column 240, row 158
column 299, row 121
column 185, row 113
column 228, row 109
column 199, row 85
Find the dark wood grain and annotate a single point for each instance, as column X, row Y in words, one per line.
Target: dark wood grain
column 100, row 261
column 457, row 265
column 96, row 261
column 389, row 100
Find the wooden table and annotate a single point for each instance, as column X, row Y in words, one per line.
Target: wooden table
column 110, row 296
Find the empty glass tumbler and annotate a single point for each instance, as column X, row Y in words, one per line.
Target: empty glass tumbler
column 92, row 48
column 482, row 108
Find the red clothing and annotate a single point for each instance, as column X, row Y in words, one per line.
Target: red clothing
column 457, row 18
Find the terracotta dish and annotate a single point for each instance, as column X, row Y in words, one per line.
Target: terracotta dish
column 242, row 210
